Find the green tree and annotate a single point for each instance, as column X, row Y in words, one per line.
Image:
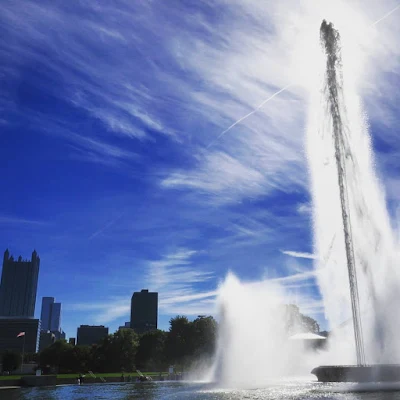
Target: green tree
column 98, row 358
column 150, row 354
column 76, row 359
column 31, row 357
column 55, row 356
column 117, row 352
column 178, row 344
column 10, row 360
column 204, row 336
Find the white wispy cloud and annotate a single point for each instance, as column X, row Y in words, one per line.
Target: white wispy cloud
column 94, row 52
column 93, row 149
column 223, row 176
column 295, row 278
column 248, row 63
column 176, row 277
column 101, row 148
column 304, row 208
column 298, row 254
column 120, row 70
column 11, row 220
column 103, row 312
column 190, row 81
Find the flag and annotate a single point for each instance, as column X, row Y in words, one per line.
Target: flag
column 21, row 334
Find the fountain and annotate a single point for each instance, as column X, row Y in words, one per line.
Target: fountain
column 330, row 40
column 356, row 254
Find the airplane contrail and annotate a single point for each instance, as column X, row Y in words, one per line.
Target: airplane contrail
column 106, row 226
column 386, row 15
column 248, row 115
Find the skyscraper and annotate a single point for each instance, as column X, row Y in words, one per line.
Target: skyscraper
column 18, row 286
column 45, row 315
column 51, row 316
column 144, row 311
column 55, row 317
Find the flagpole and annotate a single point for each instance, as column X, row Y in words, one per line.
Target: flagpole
column 23, row 351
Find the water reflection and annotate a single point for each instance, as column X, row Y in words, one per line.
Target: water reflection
column 195, row 391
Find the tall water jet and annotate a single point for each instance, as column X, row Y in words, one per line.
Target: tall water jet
column 358, row 254
column 363, row 234
column 331, row 42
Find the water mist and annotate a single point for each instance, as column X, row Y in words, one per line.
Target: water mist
column 253, row 345
column 337, row 107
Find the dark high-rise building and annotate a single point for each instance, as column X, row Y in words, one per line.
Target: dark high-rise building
column 11, row 327
column 144, row 311
column 90, row 334
column 45, row 315
column 55, row 317
column 72, row 341
column 51, row 317
column 60, row 334
column 18, row 286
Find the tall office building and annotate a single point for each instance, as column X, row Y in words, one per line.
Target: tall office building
column 144, row 311
column 45, row 315
column 55, row 317
column 11, row 327
column 50, row 315
column 18, row 286
column 90, row 334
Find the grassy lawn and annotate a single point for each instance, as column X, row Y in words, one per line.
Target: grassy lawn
column 105, row 375
column 9, row 377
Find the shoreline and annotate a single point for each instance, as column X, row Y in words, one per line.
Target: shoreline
column 51, row 380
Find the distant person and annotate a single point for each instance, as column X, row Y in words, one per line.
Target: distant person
column 122, row 378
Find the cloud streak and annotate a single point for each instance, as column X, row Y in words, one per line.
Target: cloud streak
column 102, row 313
column 299, row 254
column 177, row 277
column 12, row 220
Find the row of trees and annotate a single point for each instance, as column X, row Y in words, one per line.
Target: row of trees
column 185, row 342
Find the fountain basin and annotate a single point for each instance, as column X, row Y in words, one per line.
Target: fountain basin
column 355, row 373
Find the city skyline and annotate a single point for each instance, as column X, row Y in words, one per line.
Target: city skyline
column 120, row 170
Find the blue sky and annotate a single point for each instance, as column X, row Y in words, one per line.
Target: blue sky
column 109, row 114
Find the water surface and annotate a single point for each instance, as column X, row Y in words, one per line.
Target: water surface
column 202, row 391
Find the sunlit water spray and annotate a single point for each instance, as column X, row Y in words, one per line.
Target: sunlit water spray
column 337, row 107
column 253, row 346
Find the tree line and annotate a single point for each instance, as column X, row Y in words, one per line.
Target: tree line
column 185, row 343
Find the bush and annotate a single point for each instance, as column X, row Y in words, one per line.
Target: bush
column 10, row 360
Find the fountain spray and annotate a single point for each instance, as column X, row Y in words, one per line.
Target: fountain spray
column 330, row 39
